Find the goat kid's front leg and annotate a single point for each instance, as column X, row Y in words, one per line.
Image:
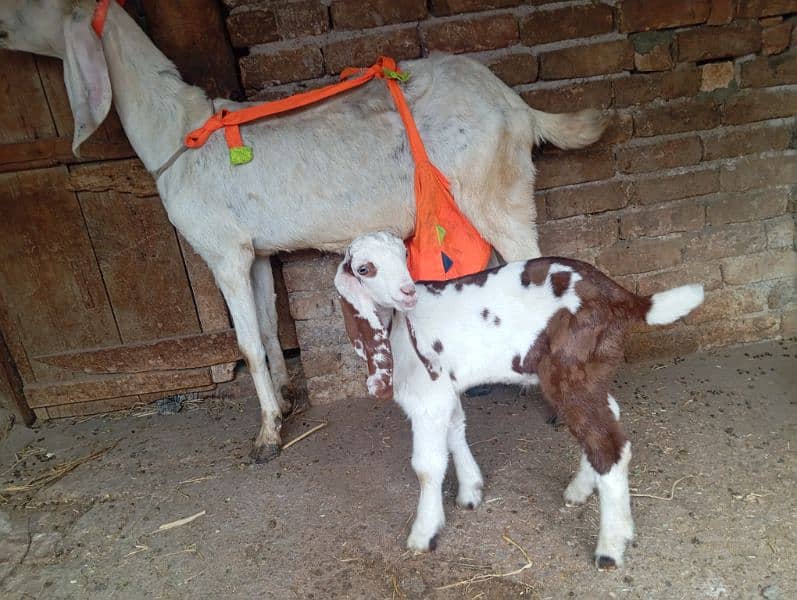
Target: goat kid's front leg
column 234, row 278
column 266, row 305
column 429, row 461
column 469, row 476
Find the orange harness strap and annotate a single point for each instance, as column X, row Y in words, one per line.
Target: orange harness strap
column 445, row 244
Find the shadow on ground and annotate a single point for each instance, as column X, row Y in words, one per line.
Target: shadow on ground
column 329, row 517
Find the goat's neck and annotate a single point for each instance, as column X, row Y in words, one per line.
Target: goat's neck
column 156, row 107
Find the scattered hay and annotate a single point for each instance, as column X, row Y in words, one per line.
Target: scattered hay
column 57, row 472
column 307, row 433
column 489, row 576
column 672, row 490
column 179, row 522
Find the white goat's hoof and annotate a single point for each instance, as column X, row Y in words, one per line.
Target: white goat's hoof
column 609, row 553
column 423, row 539
column 606, row 563
column 469, row 496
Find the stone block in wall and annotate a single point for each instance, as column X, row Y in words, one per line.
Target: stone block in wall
column 570, row 96
column 748, row 206
column 643, row 88
column 252, row 27
column 513, row 68
column 568, row 237
column 399, row 42
column 661, row 188
column 640, row 255
column 718, row 304
column 662, row 219
column 357, row 14
column 570, row 22
column 444, row 8
column 789, row 323
column 781, row 231
column 773, row 264
column 734, row 239
column 657, row 58
column 588, row 60
column 588, row 198
column 737, row 141
column 263, row 22
column 775, row 39
column 563, row 168
column 470, row 34
column 639, row 157
column 769, row 70
column 751, row 9
column 756, row 172
column 688, row 114
column 706, row 273
column 280, row 65
column 711, row 43
column 644, row 15
column 759, row 104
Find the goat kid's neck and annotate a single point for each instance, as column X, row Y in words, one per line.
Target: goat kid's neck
column 156, row 107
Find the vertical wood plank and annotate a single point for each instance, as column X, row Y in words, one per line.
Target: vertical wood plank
column 25, row 115
column 11, row 387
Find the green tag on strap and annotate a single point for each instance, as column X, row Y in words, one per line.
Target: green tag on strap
column 241, row 155
column 402, row 77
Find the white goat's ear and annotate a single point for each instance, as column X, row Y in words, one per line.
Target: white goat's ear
column 367, row 333
column 86, row 76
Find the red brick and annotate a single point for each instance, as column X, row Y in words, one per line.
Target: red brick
column 727, row 303
column 568, row 237
column 748, row 9
column 443, row 8
column 640, row 89
column 657, row 59
column 514, row 68
column 401, row 44
column 763, row 266
column 644, row 15
column 770, row 70
column 586, row 61
column 544, row 26
column 709, row 43
column 619, row 130
column 706, row 273
column 659, row 154
column 680, row 115
column 776, row 39
column 305, row 17
column 722, row 12
column 736, row 331
column 752, row 172
column 661, row 188
column 748, row 206
column 716, row 75
column 585, row 199
column 321, row 333
column 470, row 34
column 570, row 96
column 310, row 274
column 290, row 64
column 359, row 14
column 573, row 167
column 251, row 27
column 675, row 340
column 727, row 240
column 638, row 256
column 788, row 325
column 737, row 141
column 312, row 305
column 662, row 219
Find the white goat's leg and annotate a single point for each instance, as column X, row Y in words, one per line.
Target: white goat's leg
column 429, row 460
column 469, row 476
column 617, row 525
column 266, row 303
column 234, row 278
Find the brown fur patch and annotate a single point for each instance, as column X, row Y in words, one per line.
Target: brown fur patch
column 374, row 344
column 535, row 272
column 560, row 282
column 426, row 362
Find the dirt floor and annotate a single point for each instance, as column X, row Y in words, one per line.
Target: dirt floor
column 328, row 518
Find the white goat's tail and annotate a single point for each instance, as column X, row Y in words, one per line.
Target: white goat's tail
column 568, row 130
column 667, row 307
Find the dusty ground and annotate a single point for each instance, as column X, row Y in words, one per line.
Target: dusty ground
column 328, row 518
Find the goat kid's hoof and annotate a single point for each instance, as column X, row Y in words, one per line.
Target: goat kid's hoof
column 265, row 453
column 606, row 563
column 470, row 498
column 422, row 544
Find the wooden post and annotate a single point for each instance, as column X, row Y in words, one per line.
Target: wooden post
column 11, row 385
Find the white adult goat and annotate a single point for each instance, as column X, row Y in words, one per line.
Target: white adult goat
column 320, row 177
column 554, row 322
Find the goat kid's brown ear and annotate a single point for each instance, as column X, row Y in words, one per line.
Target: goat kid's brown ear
column 367, row 334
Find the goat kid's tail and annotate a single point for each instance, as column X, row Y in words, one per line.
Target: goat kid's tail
column 667, row 307
column 568, row 130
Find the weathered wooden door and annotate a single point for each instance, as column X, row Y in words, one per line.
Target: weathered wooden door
column 102, row 305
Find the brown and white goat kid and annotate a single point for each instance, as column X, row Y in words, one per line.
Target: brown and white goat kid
column 554, row 322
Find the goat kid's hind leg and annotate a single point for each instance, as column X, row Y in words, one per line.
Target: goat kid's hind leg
column 266, row 304
column 233, row 275
column 429, row 461
column 585, row 480
column 469, row 476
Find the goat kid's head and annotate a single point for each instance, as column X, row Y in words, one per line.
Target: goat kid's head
column 371, row 280
column 62, row 28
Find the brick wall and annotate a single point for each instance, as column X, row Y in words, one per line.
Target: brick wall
column 694, row 180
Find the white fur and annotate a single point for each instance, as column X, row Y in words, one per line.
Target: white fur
column 320, row 176
column 467, row 337
column 673, row 304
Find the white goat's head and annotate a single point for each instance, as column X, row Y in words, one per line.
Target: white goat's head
column 371, row 279
column 62, row 28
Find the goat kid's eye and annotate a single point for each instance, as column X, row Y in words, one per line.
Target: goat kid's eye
column 363, row 270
